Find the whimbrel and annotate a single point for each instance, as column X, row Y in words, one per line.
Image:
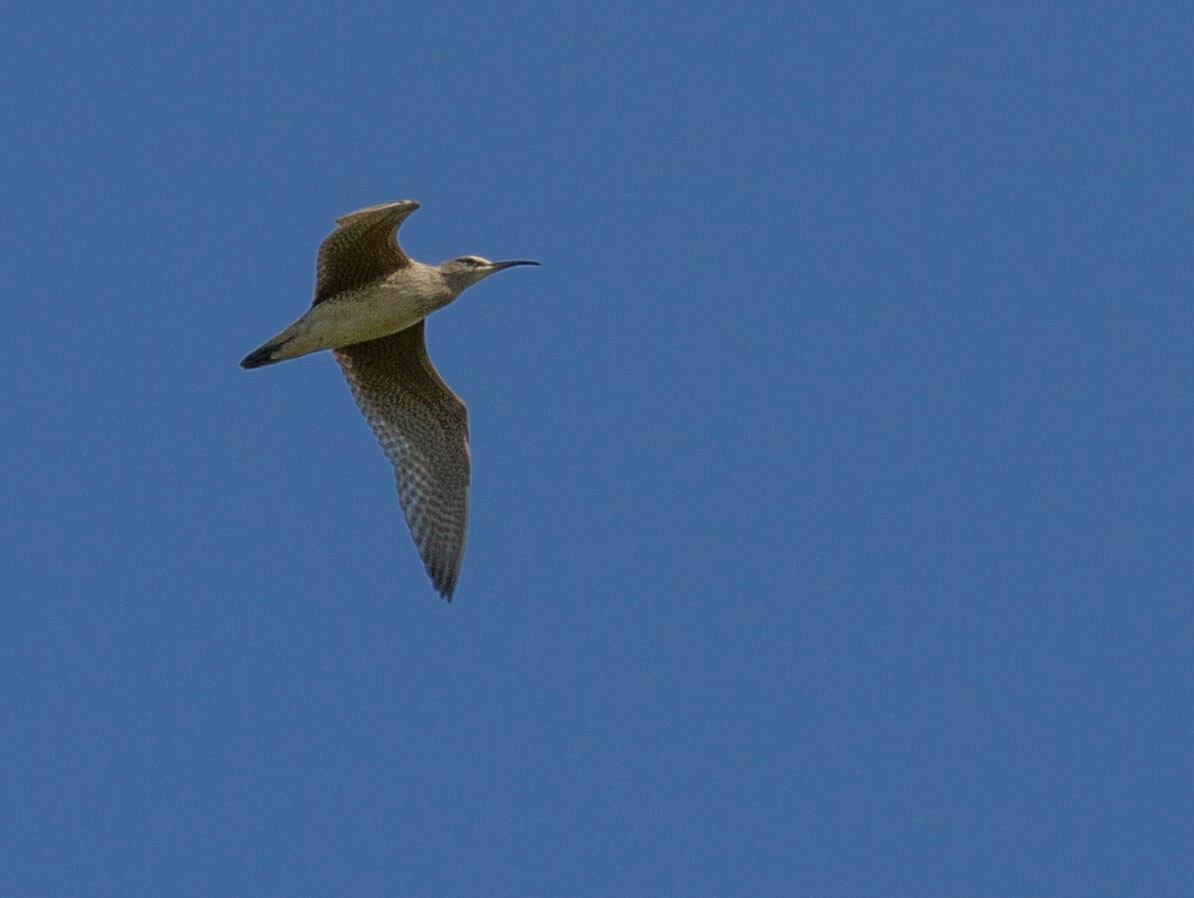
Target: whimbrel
column 371, row 300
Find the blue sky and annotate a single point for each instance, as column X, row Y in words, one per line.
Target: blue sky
column 831, row 518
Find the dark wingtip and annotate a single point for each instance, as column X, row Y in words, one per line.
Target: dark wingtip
column 259, row 357
column 444, row 585
column 442, row 580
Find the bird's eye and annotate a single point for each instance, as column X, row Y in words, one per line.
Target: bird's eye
column 468, row 260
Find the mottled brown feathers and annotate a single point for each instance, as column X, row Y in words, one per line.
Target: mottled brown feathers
column 362, row 250
column 422, row 427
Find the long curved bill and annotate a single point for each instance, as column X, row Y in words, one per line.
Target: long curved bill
column 498, row 266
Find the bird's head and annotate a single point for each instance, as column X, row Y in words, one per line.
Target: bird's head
column 468, row 270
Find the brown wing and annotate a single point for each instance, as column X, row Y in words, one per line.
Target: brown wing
column 363, row 249
column 423, row 428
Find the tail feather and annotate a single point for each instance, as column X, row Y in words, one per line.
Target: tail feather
column 261, row 356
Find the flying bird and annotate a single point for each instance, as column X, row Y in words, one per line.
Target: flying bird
column 371, row 302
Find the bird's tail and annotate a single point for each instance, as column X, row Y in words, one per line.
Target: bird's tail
column 262, row 355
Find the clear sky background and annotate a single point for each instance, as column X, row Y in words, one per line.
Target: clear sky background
column 831, row 528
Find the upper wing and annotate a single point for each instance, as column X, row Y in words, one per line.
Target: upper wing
column 364, row 248
column 423, row 428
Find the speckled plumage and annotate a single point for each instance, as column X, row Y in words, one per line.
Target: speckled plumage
column 423, row 429
column 362, row 250
column 370, row 304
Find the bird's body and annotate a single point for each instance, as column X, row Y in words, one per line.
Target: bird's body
column 404, row 298
column 370, row 303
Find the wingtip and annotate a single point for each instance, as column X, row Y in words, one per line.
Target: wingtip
column 443, row 580
column 401, row 206
column 445, row 586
